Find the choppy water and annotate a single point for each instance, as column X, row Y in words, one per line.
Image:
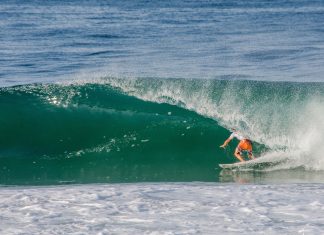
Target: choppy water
column 143, row 93
column 259, row 40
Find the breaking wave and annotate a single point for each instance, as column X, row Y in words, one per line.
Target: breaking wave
column 126, row 130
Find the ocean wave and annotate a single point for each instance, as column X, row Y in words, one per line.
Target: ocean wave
column 153, row 129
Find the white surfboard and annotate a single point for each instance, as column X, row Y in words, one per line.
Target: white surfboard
column 245, row 165
column 257, row 163
column 233, row 165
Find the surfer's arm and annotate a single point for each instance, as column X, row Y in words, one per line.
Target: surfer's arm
column 226, row 142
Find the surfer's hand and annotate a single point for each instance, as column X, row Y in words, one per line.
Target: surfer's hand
column 222, row 146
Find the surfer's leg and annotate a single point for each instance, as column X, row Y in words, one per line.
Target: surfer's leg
column 250, row 155
column 237, row 154
column 249, row 150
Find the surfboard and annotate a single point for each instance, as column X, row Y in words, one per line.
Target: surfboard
column 255, row 164
column 240, row 165
column 230, row 166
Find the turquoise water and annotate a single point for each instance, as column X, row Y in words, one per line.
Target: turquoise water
column 95, row 133
column 121, row 130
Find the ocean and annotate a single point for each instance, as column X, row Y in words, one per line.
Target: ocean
column 112, row 114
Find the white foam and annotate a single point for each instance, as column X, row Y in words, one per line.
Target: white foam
column 191, row 208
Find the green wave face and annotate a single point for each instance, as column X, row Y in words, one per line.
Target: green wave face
column 93, row 133
column 116, row 130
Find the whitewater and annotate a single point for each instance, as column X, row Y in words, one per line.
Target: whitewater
column 112, row 114
column 192, row 208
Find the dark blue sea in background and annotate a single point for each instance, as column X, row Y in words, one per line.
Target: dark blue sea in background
column 43, row 41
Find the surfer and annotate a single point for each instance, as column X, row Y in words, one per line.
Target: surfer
column 244, row 145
